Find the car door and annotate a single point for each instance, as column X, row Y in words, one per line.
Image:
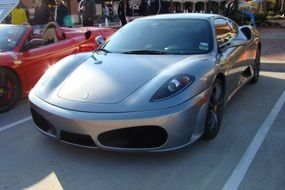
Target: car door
column 229, row 58
column 38, row 60
column 247, row 56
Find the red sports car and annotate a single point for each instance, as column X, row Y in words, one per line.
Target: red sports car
column 25, row 56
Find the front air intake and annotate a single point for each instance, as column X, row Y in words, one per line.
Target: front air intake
column 134, row 137
column 77, row 139
column 43, row 124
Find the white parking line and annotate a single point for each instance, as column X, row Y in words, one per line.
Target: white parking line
column 9, row 126
column 243, row 165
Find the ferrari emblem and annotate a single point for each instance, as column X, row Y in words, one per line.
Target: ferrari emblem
column 85, row 97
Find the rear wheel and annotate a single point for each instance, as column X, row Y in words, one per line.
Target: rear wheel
column 10, row 89
column 215, row 110
column 256, row 68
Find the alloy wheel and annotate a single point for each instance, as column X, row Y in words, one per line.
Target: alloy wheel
column 215, row 110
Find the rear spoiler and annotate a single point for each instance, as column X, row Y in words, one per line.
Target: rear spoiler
column 6, row 6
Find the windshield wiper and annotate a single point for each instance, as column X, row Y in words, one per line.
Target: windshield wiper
column 146, row 51
column 102, row 49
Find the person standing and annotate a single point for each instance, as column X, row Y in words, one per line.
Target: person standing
column 60, row 13
column 87, row 12
column 150, row 7
column 19, row 15
column 42, row 13
column 123, row 11
column 106, row 12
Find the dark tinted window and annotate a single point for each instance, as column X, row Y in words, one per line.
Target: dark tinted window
column 175, row 36
column 234, row 27
column 10, row 36
column 223, row 31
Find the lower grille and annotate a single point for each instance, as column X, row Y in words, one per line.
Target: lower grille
column 43, row 124
column 134, row 137
column 78, row 139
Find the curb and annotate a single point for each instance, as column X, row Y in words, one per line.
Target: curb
column 273, row 67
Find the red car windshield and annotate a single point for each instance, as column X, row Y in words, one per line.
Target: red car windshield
column 10, row 36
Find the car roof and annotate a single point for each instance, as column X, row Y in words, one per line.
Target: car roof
column 182, row 16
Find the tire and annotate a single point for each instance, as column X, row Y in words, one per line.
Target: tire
column 10, row 89
column 215, row 110
column 256, row 68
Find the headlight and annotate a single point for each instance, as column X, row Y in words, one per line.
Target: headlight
column 173, row 86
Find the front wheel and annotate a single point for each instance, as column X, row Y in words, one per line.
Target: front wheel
column 10, row 90
column 215, row 110
column 256, row 68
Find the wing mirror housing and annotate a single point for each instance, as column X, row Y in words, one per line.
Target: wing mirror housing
column 99, row 40
column 238, row 42
column 87, row 35
column 233, row 43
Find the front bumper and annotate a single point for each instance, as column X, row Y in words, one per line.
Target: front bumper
column 175, row 127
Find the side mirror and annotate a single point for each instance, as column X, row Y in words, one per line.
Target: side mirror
column 233, row 43
column 238, row 42
column 99, row 40
column 87, row 35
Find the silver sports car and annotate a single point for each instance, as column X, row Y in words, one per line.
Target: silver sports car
column 159, row 83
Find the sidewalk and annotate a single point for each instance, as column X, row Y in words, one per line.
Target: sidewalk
column 273, row 46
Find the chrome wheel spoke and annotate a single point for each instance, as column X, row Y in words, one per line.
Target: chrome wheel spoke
column 218, row 93
column 213, row 121
column 3, row 80
column 215, row 110
column 216, row 103
column 2, row 100
column 10, row 89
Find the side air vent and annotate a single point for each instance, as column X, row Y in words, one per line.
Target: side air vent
column 43, row 124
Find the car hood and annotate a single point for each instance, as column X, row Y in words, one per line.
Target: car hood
column 110, row 78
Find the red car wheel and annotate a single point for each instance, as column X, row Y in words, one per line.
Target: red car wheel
column 10, row 89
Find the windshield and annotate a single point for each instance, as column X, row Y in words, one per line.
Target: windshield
column 171, row 36
column 10, row 36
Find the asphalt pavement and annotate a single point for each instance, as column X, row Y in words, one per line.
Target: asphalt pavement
column 30, row 160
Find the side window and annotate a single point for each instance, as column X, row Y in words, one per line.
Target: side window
column 223, row 31
column 234, row 28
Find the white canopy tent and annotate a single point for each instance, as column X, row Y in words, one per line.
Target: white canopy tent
column 6, row 6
